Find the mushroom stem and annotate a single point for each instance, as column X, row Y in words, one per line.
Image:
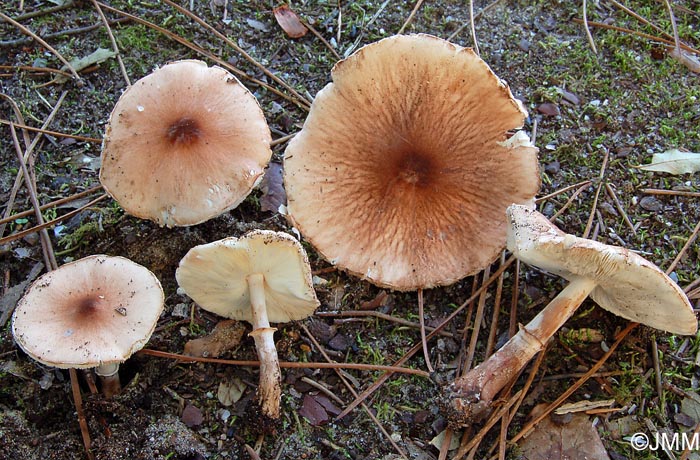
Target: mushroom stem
column 109, row 376
column 269, row 390
column 469, row 397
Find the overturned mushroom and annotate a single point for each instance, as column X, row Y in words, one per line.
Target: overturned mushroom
column 94, row 312
column 261, row 277
column 616, row 278
column 406, row 164
column 184, row 144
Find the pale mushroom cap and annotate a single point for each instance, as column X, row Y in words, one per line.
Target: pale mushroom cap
column 403, row 170
column 214, row 275
column 628, row 285
column 184, row 144
column 94, row 311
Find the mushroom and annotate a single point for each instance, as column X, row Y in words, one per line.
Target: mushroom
column 184, row 144
column 94, row 312
column 405, row 165
column 261, row 277
column 616, row 278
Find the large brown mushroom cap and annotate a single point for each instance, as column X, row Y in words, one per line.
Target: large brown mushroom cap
column 184, row 144
column 404, row 167
column 94, row 311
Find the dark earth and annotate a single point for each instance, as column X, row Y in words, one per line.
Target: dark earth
column 590, row 112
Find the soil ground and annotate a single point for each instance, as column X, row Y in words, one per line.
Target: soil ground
column 613, row 109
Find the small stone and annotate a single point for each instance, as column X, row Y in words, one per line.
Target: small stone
column 651, row 203
column 549, row 109
column 552, row 168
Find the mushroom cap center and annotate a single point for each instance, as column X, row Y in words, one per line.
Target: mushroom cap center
column 414, row 168
column 183, row 132
column 88, row 305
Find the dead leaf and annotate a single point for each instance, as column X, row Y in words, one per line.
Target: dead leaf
column 12, row 295
column 685, row 58
column 674, row 162
column 227, row 334
column 192, row 416
column 98, row 56
column 289, row 21
column 272, row 186
column 313, row 411
column 575, row 440
column 549, row 109
column 454, row 442
column 230, row 391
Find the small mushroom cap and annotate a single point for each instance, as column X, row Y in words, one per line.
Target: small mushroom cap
column 215, row 276
column 628, row 285
column 184, row 144
column 94, row 311
column 404, row 167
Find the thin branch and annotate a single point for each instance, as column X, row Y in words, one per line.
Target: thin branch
column 531, row 424
column 51, row 133
column 589, row 224
column 68, row 215
column 639, row 34
column 478, row 319
column 52, row 204
column 113, row 41
column 285, row 364
column 61, row 33
column 685, row 248
column 322, row 38
column 654, row 191
column 424, row 341
column 354, row 393
column 302, row 104
column 585, row 27
column 238, row 49
column 380, row 315
column 50, row 10
column 472, row 27
column 35, row 69
column 45, row 240
column 410, row 16
column 380, row 381
column 42, row 42
column 476, row 16
column 28, row 151
column 618, row 205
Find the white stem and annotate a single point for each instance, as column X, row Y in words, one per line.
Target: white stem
column 470, row 396
column 270, row 387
